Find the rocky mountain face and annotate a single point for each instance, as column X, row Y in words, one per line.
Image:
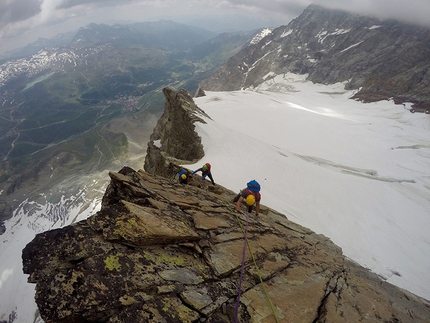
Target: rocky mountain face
column 33, row 48
column 96, row 41
column 165, row 34
column 220, row 48
column 383, row 59
column 174, row 140
column 159, row 251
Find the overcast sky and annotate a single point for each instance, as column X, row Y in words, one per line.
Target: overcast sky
column 23, row 21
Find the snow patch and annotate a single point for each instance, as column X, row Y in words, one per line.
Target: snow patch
column 323, row 34
column 286, row 33
column 344, row 50
column 270, row 74
column 157, row 143
column 261, row 35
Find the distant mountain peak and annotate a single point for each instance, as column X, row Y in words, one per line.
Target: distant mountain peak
column 381, row 59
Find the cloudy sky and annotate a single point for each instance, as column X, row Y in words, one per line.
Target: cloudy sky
column 23, row 21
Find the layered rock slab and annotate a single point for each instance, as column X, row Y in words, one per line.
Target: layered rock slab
column 159, row 251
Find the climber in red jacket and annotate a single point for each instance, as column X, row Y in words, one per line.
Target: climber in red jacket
column 206, row 171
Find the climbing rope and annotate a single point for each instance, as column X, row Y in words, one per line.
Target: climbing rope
column 246, row 242
column 239, row 292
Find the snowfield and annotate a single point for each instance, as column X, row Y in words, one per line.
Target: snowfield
column 357, row 173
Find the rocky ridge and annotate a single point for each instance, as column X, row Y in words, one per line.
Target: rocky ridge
column 381, row 59
column 174, row 140
column 159, row 251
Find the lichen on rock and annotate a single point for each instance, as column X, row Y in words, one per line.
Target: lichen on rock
column 140, row 261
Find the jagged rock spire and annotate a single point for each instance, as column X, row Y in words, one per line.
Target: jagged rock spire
column 174, row 139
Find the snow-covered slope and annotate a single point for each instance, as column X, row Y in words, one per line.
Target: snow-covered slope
column 43, row 61
column 32, row 217
column 357, row 173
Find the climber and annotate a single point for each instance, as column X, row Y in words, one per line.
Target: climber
column 251, row 195
column 206, row 171
column 183, row 177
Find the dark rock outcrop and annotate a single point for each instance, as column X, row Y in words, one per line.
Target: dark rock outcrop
column 384, row 59
column 174, row 140
column 158, row 251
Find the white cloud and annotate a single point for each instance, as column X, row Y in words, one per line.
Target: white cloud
column 48, row 10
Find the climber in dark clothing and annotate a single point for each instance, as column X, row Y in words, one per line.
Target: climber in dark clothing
column 206, row 171
column 251, row 195
column 183, row 177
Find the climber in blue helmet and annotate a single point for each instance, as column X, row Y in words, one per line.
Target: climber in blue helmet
column 250, row 195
